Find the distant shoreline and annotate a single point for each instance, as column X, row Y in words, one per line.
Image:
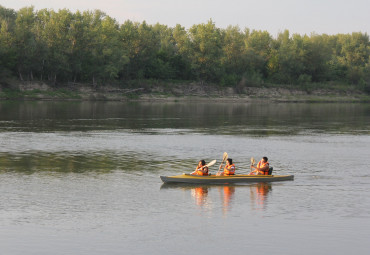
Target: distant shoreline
column 191, row 91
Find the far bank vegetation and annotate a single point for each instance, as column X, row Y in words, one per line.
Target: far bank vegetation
column 62, row 48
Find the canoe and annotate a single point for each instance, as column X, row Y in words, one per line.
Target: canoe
column 213, row 179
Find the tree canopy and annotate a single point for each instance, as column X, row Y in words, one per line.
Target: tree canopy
column 61, row 46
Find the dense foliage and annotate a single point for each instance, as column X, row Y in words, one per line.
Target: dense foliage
column 92, row 47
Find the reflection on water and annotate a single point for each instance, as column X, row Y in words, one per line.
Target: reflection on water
column 205, row 196
column 67, row 162
column 222, row 118
column 226, row 193
column 259, row 195
column 200, row 195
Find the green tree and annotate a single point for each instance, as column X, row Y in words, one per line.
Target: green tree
column 286, row 61
column 8, row 52
column 234, row 58
column 258, row 50
column 107, row 56
column 53, row 28
column 160, row 66
column 206, row 51
column 25, row 42
column 182, row 57
column 92, row 47
column 355, row 55
column 142, row 45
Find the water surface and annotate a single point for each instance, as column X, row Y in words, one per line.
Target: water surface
column 83, row 178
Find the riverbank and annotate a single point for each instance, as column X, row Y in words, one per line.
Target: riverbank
column 177, row 92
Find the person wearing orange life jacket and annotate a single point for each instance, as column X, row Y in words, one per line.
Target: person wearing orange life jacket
column 201, row 168
column 262, row 167
column 229, row 168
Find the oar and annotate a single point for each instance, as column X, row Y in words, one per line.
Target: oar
column 252, row 163
column 207, row 165
column 224, row 157
column 211, row 163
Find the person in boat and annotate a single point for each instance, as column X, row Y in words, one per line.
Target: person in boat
column 201, row 168
column 262, row 167
column 229, row 168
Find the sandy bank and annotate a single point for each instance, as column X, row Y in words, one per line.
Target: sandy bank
column 176, row 92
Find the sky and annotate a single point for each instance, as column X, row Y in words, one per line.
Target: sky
column 274, row 16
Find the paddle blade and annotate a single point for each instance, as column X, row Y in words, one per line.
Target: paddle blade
column 252, row 161
column 211, row 163
column 225, row 156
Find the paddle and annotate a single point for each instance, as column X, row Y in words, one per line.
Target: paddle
column 252, row 163
column 207, row 165
column 211, row 163
column 224, row 157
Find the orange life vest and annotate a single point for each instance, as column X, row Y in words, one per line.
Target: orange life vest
column 200, row 171
column 229, row 170
column 261, row 164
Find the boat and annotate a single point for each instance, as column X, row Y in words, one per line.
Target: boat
column 213, row 179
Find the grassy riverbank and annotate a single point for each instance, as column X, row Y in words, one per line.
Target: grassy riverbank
column 176, row 91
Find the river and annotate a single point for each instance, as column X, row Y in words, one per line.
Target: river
column 83, row 178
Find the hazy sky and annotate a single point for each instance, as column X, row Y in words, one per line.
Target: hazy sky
column 298, row 16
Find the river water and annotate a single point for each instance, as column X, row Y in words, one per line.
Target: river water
column 83, row 178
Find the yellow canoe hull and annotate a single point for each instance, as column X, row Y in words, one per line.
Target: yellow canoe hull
column 213, row 179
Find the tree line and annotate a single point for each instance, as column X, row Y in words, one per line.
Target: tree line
column 62, row 46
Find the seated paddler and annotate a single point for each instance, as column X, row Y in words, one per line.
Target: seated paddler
column 262, row 167
column 229, row 168
column 201, row 168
